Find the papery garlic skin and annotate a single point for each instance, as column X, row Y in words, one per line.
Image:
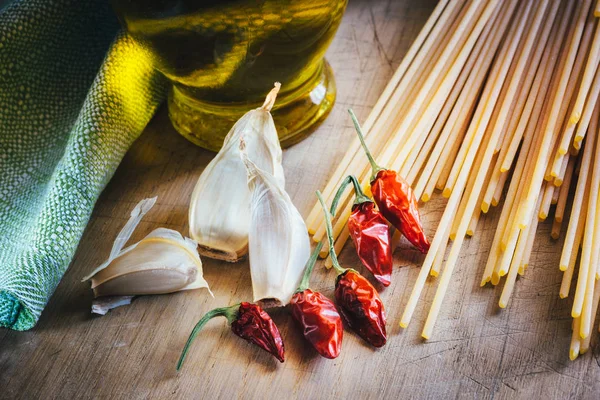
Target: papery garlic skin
column 219, row 215
column 162, row 262
column 278, row 240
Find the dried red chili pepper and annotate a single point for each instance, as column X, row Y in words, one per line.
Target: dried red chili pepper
column 359, row 302
column 369, row 232
column 316, row 314
column 395, row 199
column 248, row 321
column 361, row 307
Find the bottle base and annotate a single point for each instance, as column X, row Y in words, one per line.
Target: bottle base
column 296, row 114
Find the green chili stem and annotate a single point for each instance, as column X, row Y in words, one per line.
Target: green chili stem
column 334, row 260
column 310, row 264
column 374, row 166
column 361, row 197
column 228, row 312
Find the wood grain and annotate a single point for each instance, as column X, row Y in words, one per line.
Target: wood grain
column 477, row 350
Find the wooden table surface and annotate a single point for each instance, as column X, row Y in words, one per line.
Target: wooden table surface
column 477, row 350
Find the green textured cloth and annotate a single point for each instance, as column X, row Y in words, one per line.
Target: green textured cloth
column 74, row 95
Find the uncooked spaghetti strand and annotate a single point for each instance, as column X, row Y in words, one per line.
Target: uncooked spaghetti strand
column 516, row 262
column 560, row 177
column 529, row 247
column 477, row 213
column 585, row 343
column 565, row 285
column 499, row 189
column 564, row 192
column 471, row 180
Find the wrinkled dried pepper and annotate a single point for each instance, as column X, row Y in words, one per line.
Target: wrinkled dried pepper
column 359, row 302
column 395, row 198
column 248, row 321
column 369, row 232
column 361, row 307
column 317, row 316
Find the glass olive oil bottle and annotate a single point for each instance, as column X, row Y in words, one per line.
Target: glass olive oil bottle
column 223, row 57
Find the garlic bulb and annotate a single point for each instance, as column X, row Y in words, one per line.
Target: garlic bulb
column 162, row 262
column 278, row 239
column 219, row 214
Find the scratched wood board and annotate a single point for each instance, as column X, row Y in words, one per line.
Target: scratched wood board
column 477, row 350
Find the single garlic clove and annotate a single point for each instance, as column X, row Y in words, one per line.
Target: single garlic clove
column 278, row 240
column 162, row 262
column 219, row 215
column 151, row 281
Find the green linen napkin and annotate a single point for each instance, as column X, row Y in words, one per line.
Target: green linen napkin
column 66, row 120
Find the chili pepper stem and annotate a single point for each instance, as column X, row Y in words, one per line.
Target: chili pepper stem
column 310, row 264
column 336, row 265
column 228, row 312
column 361, row 197
column 374, row 166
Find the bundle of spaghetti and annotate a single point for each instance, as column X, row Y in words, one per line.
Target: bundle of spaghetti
column 427, row 102
column 414, row 125
column 416, row 63
column 531, row 17
column 570, row 125
column 496, row 103
column 415, row 84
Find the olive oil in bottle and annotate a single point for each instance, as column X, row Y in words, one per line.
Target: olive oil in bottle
column 222, row 57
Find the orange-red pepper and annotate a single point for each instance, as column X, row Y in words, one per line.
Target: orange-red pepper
column 359, row 302
column 248, row 321
column 320, row 322
column 398, row 204
column 395, row 199
column 370, row 233
column 317, row 316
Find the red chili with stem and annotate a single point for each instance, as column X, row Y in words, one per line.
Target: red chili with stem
column 395, row 198
column 369, row 231
column 359, row 302
column 248, row 321
column 317, row 316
